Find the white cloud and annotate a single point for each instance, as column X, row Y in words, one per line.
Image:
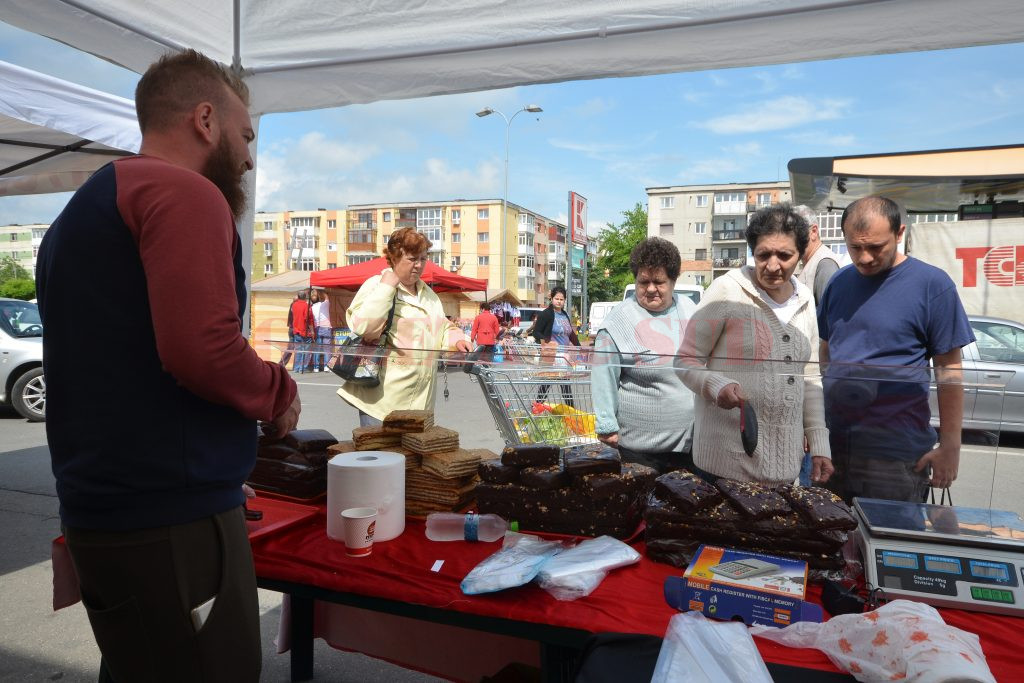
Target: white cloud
column 593, row 107
column 819, row 138
column 710, row 170
column 743, row 149
column 776, row 114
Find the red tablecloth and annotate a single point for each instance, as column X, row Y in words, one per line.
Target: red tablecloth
column 628, row 600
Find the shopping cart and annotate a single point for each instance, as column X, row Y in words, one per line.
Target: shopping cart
column 539, row 400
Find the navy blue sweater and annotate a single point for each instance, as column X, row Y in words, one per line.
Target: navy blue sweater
column 152, row 392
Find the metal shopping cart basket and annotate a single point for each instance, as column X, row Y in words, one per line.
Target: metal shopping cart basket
column 539, row 400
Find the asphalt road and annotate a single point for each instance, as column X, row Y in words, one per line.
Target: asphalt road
column 37, row 644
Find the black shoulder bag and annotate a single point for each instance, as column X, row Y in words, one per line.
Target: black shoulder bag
column 362, row 362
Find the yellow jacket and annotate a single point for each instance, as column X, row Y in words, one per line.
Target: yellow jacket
column 418, row 331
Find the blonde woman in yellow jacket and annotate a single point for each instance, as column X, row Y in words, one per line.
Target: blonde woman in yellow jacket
column 418, row 331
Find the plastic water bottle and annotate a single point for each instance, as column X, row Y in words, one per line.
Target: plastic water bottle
column 454, row 526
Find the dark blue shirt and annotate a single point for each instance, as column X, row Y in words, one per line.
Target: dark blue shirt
column 882, row 331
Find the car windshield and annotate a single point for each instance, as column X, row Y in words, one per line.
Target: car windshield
column 20, row 319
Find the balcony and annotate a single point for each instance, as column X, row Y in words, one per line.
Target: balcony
column 526, row 271
column 730, row 208
column 724, row 235
column 526, row 250
column 360, row 241
column 729, row 262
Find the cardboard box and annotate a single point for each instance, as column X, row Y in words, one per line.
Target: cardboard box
column 734, row 584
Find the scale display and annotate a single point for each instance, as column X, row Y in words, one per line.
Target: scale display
column 967, row 558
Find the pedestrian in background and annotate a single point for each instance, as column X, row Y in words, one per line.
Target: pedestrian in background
column 485, row 332
column 150, row 453
column 321, row 311
column 302, row 330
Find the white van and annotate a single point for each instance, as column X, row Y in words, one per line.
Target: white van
column 694, row 292
column 599, row 310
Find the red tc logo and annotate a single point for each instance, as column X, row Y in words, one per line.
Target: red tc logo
column 1002, row 266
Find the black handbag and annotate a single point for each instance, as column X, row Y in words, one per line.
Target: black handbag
column 362, row 362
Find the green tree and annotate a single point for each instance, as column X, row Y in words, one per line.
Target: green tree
column 18, row 288
column 10, row 269
column 617, row 241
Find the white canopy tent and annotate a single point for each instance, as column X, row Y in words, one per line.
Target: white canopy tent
column 307, row 54
column 54, row 134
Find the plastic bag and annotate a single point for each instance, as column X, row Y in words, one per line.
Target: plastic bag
column 698, row 650
column 517, row 563
column 577, row 571
column 902, row 640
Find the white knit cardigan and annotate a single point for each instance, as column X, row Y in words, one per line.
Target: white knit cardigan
column 735, row 336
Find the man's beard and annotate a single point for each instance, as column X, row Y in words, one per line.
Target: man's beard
column 220, row 170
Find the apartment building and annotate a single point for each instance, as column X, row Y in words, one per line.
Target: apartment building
column 296, row 240
column 466, row 238
column 707, row 222
column 21, row 242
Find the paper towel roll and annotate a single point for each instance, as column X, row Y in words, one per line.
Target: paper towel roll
column 367, row 479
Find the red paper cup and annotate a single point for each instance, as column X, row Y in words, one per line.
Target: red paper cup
column 357, row 528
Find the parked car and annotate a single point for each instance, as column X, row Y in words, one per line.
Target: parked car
column 528, row 316
column 22, row 385
column 994, row 377
column 599, row 310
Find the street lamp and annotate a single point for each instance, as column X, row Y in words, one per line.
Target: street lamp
column 487, row 111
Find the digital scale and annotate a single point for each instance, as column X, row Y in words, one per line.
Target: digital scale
column 965, row 558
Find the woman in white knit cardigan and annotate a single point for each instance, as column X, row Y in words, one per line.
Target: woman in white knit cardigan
column 754, row 338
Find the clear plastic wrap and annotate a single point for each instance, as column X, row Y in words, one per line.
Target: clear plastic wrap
column 577, row 571
column 517, row 563
column 698, row 650
column 902, row 640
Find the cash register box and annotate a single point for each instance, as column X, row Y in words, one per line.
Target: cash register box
column 735, row 584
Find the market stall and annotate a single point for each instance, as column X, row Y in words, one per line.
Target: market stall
column 342, row 283
column 397, row 579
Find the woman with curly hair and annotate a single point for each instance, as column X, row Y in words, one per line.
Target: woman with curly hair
column 408, row 378
column 754, row 340
column 642, row 406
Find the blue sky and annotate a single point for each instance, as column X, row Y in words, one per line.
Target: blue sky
column 605, row 139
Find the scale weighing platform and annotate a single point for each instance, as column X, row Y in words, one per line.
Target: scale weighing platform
column 965, row 558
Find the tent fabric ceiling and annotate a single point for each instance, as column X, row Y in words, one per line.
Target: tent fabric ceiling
column 308, row 54
column 54, row 134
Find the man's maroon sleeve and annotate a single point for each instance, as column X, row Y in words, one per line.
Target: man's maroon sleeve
column 186, row 240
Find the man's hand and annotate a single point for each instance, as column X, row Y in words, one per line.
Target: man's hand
column 821, row 469
column 945, row 462
column 463, row 345
column 730, row 396
column 289, row 419
column 610, row 439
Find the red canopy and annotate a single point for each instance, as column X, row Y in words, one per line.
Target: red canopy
column 351, row 277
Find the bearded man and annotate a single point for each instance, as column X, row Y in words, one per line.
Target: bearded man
column 154, row 392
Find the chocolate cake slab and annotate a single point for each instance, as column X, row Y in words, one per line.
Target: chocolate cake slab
column 754, row 500
column 686, row 491
column 530, row 455
column 820, row 507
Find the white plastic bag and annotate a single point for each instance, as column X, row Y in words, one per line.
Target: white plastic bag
column 902, row 640
column 699, row 650
column 518, row 561
column 577, row 571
